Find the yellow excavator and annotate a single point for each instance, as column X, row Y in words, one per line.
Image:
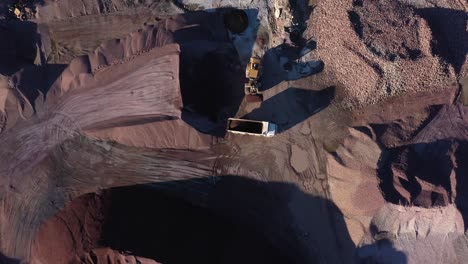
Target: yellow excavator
column 252, row 82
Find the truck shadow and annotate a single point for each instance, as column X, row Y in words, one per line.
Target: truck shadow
column 292, row 106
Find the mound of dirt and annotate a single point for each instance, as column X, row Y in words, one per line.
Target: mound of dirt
column 133, row 112
column 419, row 174
column 398, row 169
column 209, row 81
column 147, row 88
column 401, row 234
column 388, row 28
column 373, row 50
column 428, row 171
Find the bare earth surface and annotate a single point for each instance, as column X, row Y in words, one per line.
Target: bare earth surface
column 112, row 127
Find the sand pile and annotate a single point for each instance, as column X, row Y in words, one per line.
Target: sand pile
column 420, row 175
column 373, row 50
column 429, row 170
column 146, row 90
column 123, row 84
column 414, row 235
column 200, row 87
column 380, row 26
column 396, row 170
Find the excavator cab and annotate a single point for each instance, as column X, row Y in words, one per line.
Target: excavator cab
column 21, row 9
column 252, row 82
column 254, row 68
column 17, row 12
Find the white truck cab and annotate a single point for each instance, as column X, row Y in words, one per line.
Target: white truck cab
column 251, row 127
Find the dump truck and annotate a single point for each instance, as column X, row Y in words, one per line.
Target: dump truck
column 251, row 127
column 252, row 82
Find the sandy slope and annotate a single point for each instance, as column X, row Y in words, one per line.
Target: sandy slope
column 30, row 148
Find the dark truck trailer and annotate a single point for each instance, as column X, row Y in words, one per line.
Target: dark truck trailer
column 251, row 127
